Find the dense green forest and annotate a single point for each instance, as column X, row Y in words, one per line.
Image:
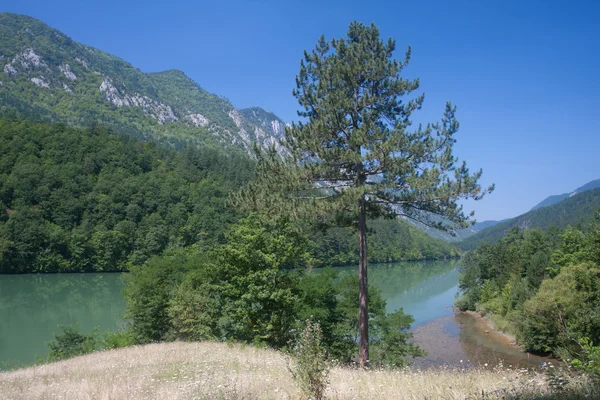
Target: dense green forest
column 575, row 210
column 542, row 286
column 89, row 200
column 389, row 240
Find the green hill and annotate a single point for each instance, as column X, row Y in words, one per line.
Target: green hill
column 570, row 211
column 48, row 77
column 74, row 199
column 548, row 201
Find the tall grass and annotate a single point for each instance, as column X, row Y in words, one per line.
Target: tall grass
column 220, row 371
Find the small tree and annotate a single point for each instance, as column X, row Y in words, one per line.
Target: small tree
column 355, row 154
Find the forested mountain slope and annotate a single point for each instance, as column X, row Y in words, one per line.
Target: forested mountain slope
column 571, row 211
column 88, row 200
column 458, row 235
column 75, row 199
column 548, row 201
column 46, row 76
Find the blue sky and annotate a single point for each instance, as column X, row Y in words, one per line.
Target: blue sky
column 524, row 74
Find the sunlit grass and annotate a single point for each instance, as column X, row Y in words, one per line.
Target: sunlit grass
column 220, row 371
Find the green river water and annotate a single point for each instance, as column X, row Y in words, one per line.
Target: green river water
column 32, row 308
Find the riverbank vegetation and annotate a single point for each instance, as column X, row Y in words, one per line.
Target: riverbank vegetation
column 543, row 287
column 254, row 289
column 209, row 370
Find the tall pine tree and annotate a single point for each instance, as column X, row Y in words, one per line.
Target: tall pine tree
column 355, row 155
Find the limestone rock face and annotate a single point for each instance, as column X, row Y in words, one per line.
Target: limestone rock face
column 161, row 112
column 10, row 70
column 66, row 70
column 40, row 82
column 28, row 59
column 197, row 119
column 85, row 83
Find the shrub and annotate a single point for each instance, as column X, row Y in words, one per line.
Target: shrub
column 589, row 359
column 192, row 313
column 117, row 340
column 310, row 367
column 148, row 289
column 395, row 342
column 71, row 343
column 565, row 307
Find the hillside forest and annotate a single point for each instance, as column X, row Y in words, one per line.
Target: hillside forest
column 86, row 199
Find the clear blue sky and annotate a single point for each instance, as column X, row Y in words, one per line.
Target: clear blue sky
column 524, row 74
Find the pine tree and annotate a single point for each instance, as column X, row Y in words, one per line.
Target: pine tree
column 355, row 154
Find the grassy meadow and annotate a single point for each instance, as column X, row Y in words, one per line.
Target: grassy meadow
column 207, row 370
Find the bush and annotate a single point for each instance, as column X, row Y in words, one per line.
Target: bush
column 71, row 343
column 117, row 340
column 464, row 303
column 589, row 360
column 148, row 290
column 564, row 308
column 395, row 342
column 310, row 367
column 192, row 313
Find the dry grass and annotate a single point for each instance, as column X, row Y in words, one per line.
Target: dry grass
column 220, row 371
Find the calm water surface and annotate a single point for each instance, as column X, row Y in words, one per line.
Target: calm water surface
column 427, row 291
column 33, row 306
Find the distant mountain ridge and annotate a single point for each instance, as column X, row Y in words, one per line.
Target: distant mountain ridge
column 464, row 234
column 573, row 210
column 548, row 201
column 458, row 235
column 48, row 77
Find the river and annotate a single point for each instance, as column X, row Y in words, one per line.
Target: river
column 33, row 306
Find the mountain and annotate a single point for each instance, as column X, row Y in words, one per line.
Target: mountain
column 448, row 237
column 573, row 210
column 548, row 201
column 463, row 234
column 48, row 77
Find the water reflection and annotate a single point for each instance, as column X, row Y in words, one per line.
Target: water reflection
column 424, row 289
column 427, row 291
column 32, row 307
column 465, row 340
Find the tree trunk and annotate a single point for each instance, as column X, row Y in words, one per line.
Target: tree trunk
column 363, row 317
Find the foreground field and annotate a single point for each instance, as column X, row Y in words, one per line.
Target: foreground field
column 220, row 371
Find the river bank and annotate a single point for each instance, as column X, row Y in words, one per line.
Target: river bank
column 491, row 326
column 467, row 340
